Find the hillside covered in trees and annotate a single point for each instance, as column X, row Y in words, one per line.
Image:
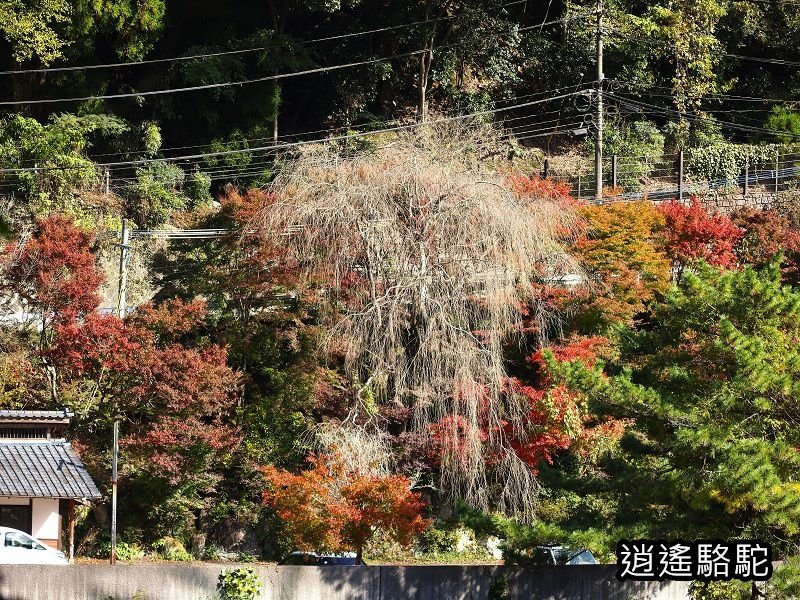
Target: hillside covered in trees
column 369, row 307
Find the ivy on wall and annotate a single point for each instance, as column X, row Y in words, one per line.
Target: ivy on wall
column 725, row 162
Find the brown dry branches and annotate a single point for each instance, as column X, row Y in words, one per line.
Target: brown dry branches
column 427, row 262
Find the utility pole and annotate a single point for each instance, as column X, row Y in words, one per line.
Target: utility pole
column 124, row 251
column 598, row 144
column 114, row 494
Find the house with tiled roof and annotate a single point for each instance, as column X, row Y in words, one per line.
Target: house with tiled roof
column 41, row 476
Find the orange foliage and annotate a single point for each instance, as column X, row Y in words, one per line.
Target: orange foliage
column 331, row 508
column 619, row 248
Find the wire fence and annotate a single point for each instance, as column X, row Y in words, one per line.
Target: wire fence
column 681, row 175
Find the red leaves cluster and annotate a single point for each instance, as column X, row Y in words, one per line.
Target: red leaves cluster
column 584, row 349
column 261, row 264
column 54, row 270
column 170, row 320
column 765, row 234
column 555, row 418
column 450, row 437
column 330, row 508
column 692, row 234
column 552, row 423
column 175, row 398
column 535, row 187
column 97, row 343
column 188, row 394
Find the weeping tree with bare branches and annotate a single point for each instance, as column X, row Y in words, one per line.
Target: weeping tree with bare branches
column 424, row 263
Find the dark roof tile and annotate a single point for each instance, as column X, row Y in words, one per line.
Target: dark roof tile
column 44, row 470
column 35, row 415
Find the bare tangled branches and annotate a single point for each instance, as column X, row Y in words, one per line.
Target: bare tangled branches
column 427, row 262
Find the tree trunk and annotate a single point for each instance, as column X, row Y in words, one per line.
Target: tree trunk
column 423, row 84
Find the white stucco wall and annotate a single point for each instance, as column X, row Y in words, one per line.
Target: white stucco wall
column 45, row 519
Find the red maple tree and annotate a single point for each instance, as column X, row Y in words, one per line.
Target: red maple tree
column 174, row 394
column 333, row 509
column 765, row 234
column 175, row 399
column 54, row 270
column 692, row 234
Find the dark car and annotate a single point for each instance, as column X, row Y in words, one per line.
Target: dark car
column 314, row 559
column 559, row 555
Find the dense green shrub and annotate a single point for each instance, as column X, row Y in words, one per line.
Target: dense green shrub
column 132, row 551
column 239, row 584
column 783, row 120
column 170, row 548
column 437, row 540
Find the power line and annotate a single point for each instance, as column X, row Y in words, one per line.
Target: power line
column 244, row 81
column 263, row 161
column 294, row 144
column 209, row 86
column 257, row 168
column 667, row 111
column 774, row 61
column 324, row 131
column 244, row 50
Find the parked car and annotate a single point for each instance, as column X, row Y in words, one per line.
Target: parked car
column 314, row 559
column 559, row 555
column 19, row 548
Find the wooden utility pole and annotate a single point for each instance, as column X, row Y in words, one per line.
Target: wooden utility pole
column 598, row 144
column 114, row 494
column 124, row 251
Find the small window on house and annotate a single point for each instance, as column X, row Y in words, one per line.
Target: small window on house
column 23, row 433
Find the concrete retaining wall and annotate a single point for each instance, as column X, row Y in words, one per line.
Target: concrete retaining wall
column 198, row 582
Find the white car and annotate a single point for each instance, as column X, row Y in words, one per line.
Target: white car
column 18, row 548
